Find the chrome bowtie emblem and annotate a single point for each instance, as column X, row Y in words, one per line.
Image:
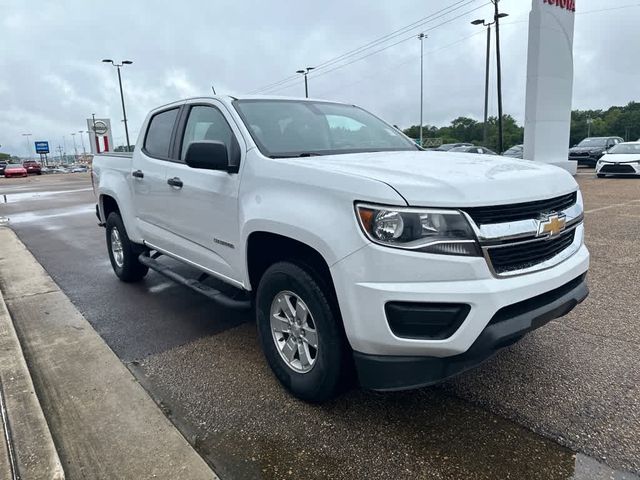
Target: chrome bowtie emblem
column 552, row 225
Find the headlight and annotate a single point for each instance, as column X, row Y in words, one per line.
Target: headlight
column 423, row 230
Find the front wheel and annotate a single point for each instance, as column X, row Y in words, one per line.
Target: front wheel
column 300, row 334
column 123, row 253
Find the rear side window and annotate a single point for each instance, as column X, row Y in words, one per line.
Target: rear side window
column 159, row 133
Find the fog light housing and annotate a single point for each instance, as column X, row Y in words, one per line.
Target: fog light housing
column 425, row 321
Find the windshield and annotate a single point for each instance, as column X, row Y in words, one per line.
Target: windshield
column 293, row 128
column 593, row 142
column 626, row 148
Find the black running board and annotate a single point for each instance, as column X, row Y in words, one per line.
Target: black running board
column 196, row 285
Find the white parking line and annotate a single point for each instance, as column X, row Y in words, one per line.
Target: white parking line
column 612, row 206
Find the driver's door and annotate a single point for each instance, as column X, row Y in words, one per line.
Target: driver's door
column 203, row 204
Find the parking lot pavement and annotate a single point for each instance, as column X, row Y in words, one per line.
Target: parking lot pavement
column 574, row 381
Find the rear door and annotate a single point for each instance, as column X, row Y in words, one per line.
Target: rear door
column 148, row 173
column 203, row 204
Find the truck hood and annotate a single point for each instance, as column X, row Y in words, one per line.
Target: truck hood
column 445, row 179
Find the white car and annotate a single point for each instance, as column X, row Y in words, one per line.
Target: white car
column 623, row 159
column 357, row 250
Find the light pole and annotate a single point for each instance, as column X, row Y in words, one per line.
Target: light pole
column 27, row 135
column 124, row 111
column 496, row 19
column 485, row 130
column 589, row 122
column 421, row 37
column 84, row 150
column 75, row 147
column 60, row 153
column 305, row 72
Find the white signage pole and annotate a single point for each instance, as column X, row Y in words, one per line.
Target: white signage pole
column 550, row 83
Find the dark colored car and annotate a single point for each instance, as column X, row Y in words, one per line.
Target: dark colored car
column 589, row 150
column 517, row 151
column 2, row 165
column 448, row 146
column 473, row 149
column 32, row 167
column 14, row 170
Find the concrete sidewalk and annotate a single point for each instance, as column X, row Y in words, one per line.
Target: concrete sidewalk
column 104, row 425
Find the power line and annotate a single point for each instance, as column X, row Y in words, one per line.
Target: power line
column 609, row 9
column 412, row 26
column 385, row 48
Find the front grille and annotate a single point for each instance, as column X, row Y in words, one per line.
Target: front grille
column 579, row 154
column 525, row 255
column 617, row 168
column 520, row 211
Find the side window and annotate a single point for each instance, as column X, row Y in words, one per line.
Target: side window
column 207, row 123
column 159, row 133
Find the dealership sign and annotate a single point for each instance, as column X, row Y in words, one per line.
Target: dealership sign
column 547, row 120
column 42, row 147
column 566, row 4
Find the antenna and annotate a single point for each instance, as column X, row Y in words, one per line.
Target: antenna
column 214, row 90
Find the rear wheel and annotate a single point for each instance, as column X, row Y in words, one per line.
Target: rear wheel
column 300, row 334
column 123, row 253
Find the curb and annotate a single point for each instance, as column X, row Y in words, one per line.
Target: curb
column 104, row 424
column 27, row 447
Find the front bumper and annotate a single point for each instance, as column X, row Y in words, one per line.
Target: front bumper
column 510, row 324
column 590, row 160
column 611, row 168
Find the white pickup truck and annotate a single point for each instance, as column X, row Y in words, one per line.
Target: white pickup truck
column 364, row 256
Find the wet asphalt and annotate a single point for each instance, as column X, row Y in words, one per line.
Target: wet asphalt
column 572, row 386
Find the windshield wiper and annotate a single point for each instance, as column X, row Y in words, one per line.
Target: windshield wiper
column 298, row 155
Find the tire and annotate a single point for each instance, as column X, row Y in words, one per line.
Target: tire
column 328, row 373
column 600, row 175
column 126, row 267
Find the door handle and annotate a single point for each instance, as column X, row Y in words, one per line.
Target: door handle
column 137, row 174
column 175, row 182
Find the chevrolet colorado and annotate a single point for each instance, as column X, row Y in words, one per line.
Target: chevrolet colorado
column 363, row 255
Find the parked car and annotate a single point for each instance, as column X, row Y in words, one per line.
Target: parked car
column 79, row 169
column 448, row 146
column 2, row 166
column 517, row 151
column 589, row 150
column 623, row 159
column 14, row 170
column 32, row 167
column 473, row 149
column 354, row 246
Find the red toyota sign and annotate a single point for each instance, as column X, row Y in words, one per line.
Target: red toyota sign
column 566, row 4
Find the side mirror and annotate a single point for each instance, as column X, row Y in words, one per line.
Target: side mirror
column 208, row 155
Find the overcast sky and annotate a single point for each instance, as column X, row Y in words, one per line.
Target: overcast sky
column 52, row 80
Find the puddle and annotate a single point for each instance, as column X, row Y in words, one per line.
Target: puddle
column 43, row 215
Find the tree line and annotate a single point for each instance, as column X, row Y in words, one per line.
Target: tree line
column 616, row 121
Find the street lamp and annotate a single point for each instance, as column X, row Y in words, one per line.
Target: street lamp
column 421, row 37
column 27, row 135
column 75, row 147
column 124, row 112
column 486, row 82
column 84, row 150
column 305, row 72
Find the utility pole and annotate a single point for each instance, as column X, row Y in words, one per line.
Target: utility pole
column 627, row 132
column 124, row 111
column 27, row 135
column 60, row 153
column 496, row 19
column 305, row 72
column 421, row 37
